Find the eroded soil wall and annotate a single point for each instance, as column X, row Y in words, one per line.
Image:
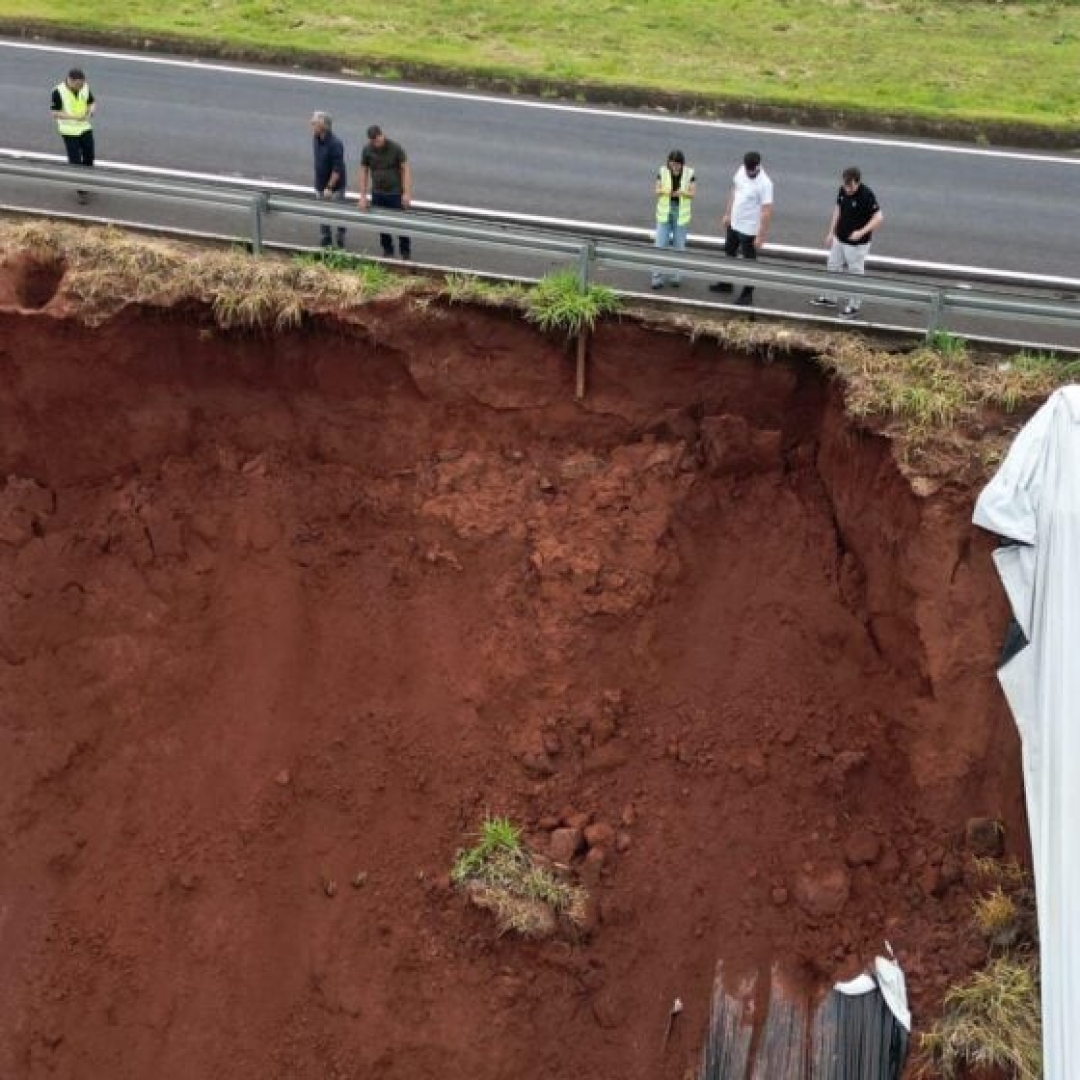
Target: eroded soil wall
column 283, row 618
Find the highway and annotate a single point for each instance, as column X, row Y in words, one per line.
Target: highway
column 946, row 203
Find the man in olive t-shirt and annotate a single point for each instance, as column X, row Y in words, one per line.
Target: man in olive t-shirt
column 385, row 173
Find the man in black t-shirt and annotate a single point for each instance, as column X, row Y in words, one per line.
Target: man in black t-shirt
column 854, row 218
column 385, row 173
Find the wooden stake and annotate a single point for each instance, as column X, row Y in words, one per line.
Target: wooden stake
column 582, row 346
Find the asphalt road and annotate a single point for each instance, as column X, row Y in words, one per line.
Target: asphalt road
column 944, row 203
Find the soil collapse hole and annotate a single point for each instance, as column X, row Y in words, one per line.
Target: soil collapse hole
column 286, row 612
column 36, row 279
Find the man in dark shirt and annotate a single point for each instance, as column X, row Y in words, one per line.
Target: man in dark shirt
column 329, row 170
column 854, row 218
column 73, row 109
column 385, row 173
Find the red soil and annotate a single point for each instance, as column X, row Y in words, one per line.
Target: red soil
column 279, row 612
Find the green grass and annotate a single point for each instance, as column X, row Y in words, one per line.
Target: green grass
column 499, row 875
column 1013, row 61
column 946, row 344
column 470, row 289
column 1026, row 377
column 374, row 277
column 556, row 302
column 497, row 835
column 940, row 386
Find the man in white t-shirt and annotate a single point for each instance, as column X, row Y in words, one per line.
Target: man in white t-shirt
column 747, row 218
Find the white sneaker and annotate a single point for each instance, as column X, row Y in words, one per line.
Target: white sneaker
column 823, row 301
column 850, row 312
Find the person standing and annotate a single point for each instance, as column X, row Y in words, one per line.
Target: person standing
column 747, row 218
column 386, row 174
column 851, row 228
column 330, row 175
column 674, row 198
column 73, row 109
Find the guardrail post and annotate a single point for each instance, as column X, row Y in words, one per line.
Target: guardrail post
column 935, row 313
column 258, row 205
column 585, row 260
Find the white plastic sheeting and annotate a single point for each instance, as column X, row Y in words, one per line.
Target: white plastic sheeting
column 1035, row 500
column 888, row 978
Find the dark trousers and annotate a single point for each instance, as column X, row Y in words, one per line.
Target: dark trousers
column 386, row 200
column 737, row 243
column 80, row 148
column 326, row 232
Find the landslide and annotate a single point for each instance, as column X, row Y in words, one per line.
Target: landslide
column 286, row 615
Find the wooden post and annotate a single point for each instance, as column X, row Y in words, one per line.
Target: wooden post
column 585, row 257
column 582, row 348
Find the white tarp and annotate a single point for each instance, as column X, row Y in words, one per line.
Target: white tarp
column 1035, row 500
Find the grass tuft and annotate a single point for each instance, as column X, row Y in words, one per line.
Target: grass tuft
column 557, row 302
column 470, row 289
column 1026, row 377
column 498, row 874
column 373, row 276
column 924, row 388
column 992, row 1021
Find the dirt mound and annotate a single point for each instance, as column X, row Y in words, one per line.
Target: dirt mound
column 284, row 618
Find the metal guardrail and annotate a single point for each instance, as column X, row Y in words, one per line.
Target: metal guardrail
column 938, row 303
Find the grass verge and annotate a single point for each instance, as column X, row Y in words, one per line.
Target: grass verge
column 940, row 385
column 107, row 269
column 983, row 61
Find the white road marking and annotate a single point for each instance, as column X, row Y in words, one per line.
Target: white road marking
column 569, row 224
column 551, row 106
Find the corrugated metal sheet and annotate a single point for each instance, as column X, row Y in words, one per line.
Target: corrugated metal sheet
column 847, row 1037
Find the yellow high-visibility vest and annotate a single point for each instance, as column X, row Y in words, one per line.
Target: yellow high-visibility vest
column 77, row 105
column 663, row 201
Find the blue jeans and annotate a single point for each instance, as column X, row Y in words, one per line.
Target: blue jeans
column 669, row 234
column 391, row 201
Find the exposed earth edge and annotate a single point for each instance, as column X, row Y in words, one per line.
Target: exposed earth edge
column 961, row 129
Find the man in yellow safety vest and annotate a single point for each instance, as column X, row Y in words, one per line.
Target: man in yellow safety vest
column 73, row 108
column 674, row 197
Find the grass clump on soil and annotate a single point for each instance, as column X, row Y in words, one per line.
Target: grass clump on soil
column 374, row 277
column 1006, row 61
column 1005, row 912
column 940, row 384
column 470, row 289
column 108, row 269
column 993, row 1019
column 557, row 302
column 500, row 875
